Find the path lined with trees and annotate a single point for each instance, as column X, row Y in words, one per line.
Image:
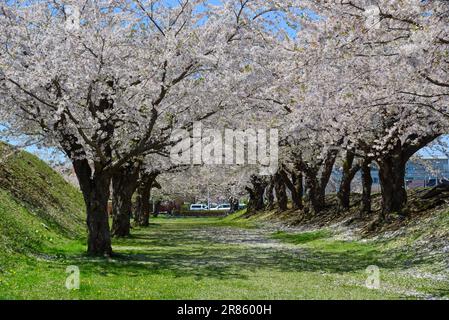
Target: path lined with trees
column 346, row 84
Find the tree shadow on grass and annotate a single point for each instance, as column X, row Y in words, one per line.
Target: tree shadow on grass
column 235, row 262
column 224, row 253
column 221, row 253
column 439, row 292
column 160, row 239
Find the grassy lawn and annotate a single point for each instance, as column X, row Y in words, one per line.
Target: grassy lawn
column 212, row 258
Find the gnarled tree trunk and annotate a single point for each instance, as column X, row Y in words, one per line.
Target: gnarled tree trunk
column 281, row 192
column 326, row 172
column 315, row 202
column 142, row 214
column 316, row 180
column 234, row 204
column 124, row 184
column 392, row 172
column 297, row 180
column 269, row 194
column 295, row 187
column 143, row 209
column 95, row 189
column 349, row 172
column 256, row 193
column 392, row 183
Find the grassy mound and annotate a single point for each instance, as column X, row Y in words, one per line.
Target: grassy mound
column 37, row 206
column 420, row 236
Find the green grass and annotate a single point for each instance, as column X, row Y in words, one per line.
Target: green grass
column 304, row 237
column 210, row 258
column 43, row 192
column 38, row 208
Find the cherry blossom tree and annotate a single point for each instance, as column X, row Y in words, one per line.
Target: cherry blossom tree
column 396, row 52
column 109, row 80
column 106, row 80
column 351, row 90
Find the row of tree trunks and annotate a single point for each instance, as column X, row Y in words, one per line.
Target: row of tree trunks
column 315, row 185
column 296, row 183
column 316, row 177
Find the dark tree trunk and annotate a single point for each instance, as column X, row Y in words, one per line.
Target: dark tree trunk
column 142, row 215
column 326, row 172
column 295, row 187
column 143, row 209
column 251, row 207
column 316, row 184
column 124, row 184
column 299, row 188
column 392, row 183
column 95, row 189
column 313, row 190
column 99, row 239
column 256, row 193
column 349, row 171
column 269, row 194
column 392, row 173
column 281, row 192
column 367, row 182
column 260, row 192
column 157, row 208
column 234, row 204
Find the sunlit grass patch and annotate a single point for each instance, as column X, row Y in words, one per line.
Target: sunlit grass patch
column 303, row 237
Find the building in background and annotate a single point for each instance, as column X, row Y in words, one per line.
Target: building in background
column 423, row 172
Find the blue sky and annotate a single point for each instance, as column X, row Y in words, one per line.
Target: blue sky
column 45, row 153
